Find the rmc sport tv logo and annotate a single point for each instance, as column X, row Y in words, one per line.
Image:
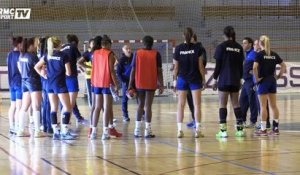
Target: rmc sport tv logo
column 15, row 13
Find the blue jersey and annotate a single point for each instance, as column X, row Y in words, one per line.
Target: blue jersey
column 88, row 56
column 124, row 68
column 14, row 76
column 187, row 56
column 73, row 54
column 27, row 63
column 56, row 71
column 248, row 64
column 267, row 64
column 229, row 63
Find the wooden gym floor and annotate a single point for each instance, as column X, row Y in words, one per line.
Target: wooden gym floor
column 164, row 154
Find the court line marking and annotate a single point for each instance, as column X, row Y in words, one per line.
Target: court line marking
column 122, row 167
column 51, row 164
column 213, row 163
column 18, row 161
column 219, row 159
column 3, row 117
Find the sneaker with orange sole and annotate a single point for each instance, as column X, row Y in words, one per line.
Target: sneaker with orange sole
column 114, row 133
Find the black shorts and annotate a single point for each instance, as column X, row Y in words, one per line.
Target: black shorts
column 229, row 88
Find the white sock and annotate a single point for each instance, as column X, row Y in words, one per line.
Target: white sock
column 179, row 126
column 263, row 125
column 111, row 126
column 198, row 126
column 147, row 125
column 94, row 130
column 276, row 120
column 37, row 120
column 22, row 119
column 55, row 128
column 11, row 122
column 105, row 130
column 138, row 124
column 91, row 126
column 64, row 128
column 31, row 120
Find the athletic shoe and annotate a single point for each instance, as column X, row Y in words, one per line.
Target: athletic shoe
column 12, row 131
column 251, row 125
column 93, row 136
column 82, row 121
column 67, row 136
column 89, row 132
column 23, row 134
column 223, row 131
column 148, row 133
column 74, row 133
column 114, row 133
column 137, row 132
column 257, row 127
column 50, row 131
column 198, row 134
column 126, row 119
column 245, row 124
column 222, row 134
column 180, row 134
column 274, row 132
column 38, row 134
column 105, row 136
column 240, row 133
column 56, row 136
column 261, row 133
column 191, row 124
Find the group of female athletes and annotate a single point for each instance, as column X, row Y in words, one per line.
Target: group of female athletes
column 46, row 66
column 258, row 68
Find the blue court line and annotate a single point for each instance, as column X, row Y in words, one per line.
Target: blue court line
column 124, row 168
column 51, row 164
column 219, row 159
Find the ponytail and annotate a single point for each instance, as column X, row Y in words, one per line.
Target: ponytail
column 50, row 46
column 27, row 42
column 188, row 34
column 265, row 41
column 52, row 43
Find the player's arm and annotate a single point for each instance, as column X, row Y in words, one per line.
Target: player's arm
column 68, row 69
column 282, row 70
column 175, row 73
column 81, row 65
column 160, row 74
column 255, row 72
column 111, row 63
column 202, row 70
column 39, row 67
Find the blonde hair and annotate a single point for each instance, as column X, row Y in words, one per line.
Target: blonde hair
column 52, row 43
column 265, row 42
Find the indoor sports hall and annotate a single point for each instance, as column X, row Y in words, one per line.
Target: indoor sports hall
column 135, row 138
